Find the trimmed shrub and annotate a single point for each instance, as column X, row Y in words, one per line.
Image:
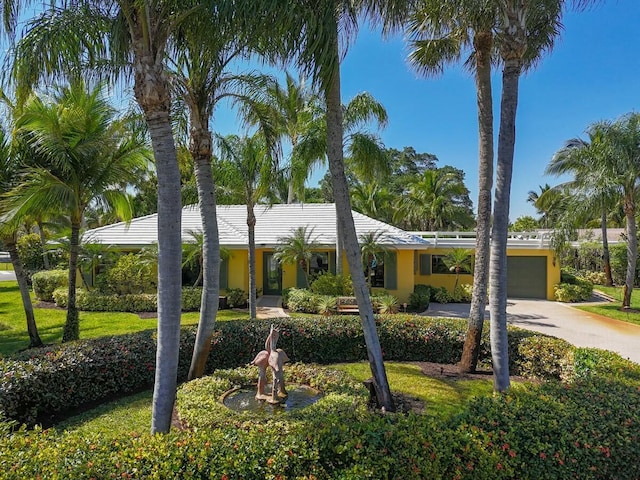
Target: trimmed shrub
column 386, row 303
column 596, row 278
column 46, row 281
column 331, row 284
column 420, row 298
column 94, row 301
column 31, row 252
column 440, row 295
column 579, row 291
column 236, row 298
column 303, row 300
column 462, row 293
column 545, row 357
column 130, row 275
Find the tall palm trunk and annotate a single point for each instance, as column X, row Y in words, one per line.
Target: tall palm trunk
column 21, row 277
column 72, row 324
column 498, row 261
column 606, row 257
column 483, row 43
column 632, row 249
column 349, row 236
column 251, row 223
column 210, row 268
column 152, row 94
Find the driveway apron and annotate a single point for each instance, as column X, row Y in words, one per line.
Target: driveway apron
column 561, row 320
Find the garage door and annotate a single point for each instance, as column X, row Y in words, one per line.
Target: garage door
column 527, row 277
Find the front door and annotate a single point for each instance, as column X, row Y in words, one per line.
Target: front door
column 272, row 275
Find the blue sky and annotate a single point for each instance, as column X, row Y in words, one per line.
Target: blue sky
column 592, row 74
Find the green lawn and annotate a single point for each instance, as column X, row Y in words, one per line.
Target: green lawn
column 612, row 310
column 13, row 326
column 442, row 397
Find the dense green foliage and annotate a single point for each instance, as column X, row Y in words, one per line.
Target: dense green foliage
column 573, row 288
column 31, row 252
column 39, row 384
column 331, row 284
column 94, row 301
column 46, row 281
column 585, row 428
column 420, row 297
column 131, row 274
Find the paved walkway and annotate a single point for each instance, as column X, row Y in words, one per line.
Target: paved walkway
column 7, row 275
column 561, row 320
column 270, row 306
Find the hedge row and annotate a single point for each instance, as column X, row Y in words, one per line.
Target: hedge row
column 95, row 301
column 38, row 385
column 587, row 429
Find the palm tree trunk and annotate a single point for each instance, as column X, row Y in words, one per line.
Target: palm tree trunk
column 632, row 250
column 210, row 268
column 339, row 242
column 251, row 223
column 498, row 261
column 21, row 277
column 43, row 242
column 72, row 324
column 169, row 269
column 347, row 227
column 483, row 45
column 606, row 257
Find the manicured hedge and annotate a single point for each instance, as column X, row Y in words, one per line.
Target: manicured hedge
column 39, row 385
column 587, row 429
column 95, row 301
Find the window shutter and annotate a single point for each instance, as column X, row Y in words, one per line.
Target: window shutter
column 391, row 271
column 301, row 281
column 224, row 274
column 332, row 262
column 425, row 264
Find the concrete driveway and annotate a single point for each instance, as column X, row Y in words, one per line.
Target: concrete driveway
column 560, row 320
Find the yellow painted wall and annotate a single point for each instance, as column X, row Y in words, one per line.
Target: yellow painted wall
column 239, row 270
column 448, row 280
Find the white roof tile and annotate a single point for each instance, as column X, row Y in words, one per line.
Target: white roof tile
column 272, row 223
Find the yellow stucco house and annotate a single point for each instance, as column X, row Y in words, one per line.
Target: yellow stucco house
column 412, row 258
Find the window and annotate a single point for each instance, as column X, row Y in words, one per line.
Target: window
column 438, row 265
column 382, row 271
column 319, row 263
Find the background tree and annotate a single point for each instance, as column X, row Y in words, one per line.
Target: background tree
column 525, row 31
column 446, row 32
column 297, row 249
column 9, row 228
column 89, row 154
column 524, row 223
column 593, row 191
column 246, row 167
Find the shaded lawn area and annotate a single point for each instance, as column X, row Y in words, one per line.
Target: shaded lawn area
column 612, row 310
column 50, row 321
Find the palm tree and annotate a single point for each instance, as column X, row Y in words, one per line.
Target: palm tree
column 297, row 248
column 132, row 35
column 371, row 249
column 440, row 33
column 295, row 112
column 373, row 200
column 316, row 28
column 9, row 228
column 586, row 161
column 458, row 260
column 247, row 167
column 623, row 137
column 435, row 202
column 525, row 31
column 88, row 153
column 193, row 253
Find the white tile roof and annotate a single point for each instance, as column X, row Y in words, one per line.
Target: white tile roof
column 272, row 223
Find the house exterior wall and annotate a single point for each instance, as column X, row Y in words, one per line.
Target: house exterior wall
column 239, row 270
